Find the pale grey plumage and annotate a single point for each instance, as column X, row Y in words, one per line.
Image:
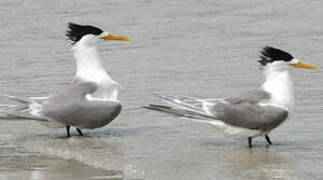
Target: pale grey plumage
column 90, row 102
column 69, row 107
column 251, row 114
column 240, row 111
column 245, row 111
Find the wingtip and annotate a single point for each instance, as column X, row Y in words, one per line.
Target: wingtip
column 156, row 107
column 147, row 107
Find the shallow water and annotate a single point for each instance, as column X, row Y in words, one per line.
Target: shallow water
column 197, row 48
column 19, row 163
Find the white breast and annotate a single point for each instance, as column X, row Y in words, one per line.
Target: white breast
column 233, row 131
column 89, row 68
column 279, row 85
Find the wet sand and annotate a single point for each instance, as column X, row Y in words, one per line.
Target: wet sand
column 18, row 163
column 205, row 49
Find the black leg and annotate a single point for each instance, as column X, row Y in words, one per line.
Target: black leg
column 268, row 139
column 250, row 141
column 79, row 131
column 68, row 131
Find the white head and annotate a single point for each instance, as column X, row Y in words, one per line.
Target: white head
column 279, row 60
column 90, row 35
column 278, row 83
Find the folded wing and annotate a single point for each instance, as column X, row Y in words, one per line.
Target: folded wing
column 248, row 110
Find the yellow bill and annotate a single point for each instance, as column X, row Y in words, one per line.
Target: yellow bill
column 112, row 36
column 301, row 64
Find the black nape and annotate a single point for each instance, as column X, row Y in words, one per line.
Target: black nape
column 271, row 54
column 75, row 31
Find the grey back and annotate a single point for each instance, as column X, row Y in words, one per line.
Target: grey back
column 245, row 111
column 70, row 107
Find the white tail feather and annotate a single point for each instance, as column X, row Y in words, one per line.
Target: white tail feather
column 182, row 106
column 17, row 112
column 16, row 115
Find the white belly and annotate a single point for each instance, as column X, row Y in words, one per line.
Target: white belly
column 52, row 124
column 235, row 132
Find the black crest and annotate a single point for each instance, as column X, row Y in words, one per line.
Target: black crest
column 75, row 32
column 270, row 54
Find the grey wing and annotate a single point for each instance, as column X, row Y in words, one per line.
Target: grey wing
column 73, row 92
column 241, row 111
column 204, row 106
column 85, row 114
column 70, row 107
column 252, row 96
column 245, row 111
column 250, row 115
column 76, row 91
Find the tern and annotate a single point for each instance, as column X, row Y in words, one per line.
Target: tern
column 251, row 114
column 88, row 103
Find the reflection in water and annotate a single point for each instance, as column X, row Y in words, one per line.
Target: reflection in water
column 256, row 163
column 18, row 163
column 97, row 149
column 85, row 149
column 200, row 49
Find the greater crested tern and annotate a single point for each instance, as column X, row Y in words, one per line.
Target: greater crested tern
column 90, row 102
column 251, row 114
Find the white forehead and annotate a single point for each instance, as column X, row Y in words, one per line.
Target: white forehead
column 293, row 61
column 103, row 34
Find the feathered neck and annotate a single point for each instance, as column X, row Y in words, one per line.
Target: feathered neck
column 90, row 69
column 88, row 63
column 279, row 85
